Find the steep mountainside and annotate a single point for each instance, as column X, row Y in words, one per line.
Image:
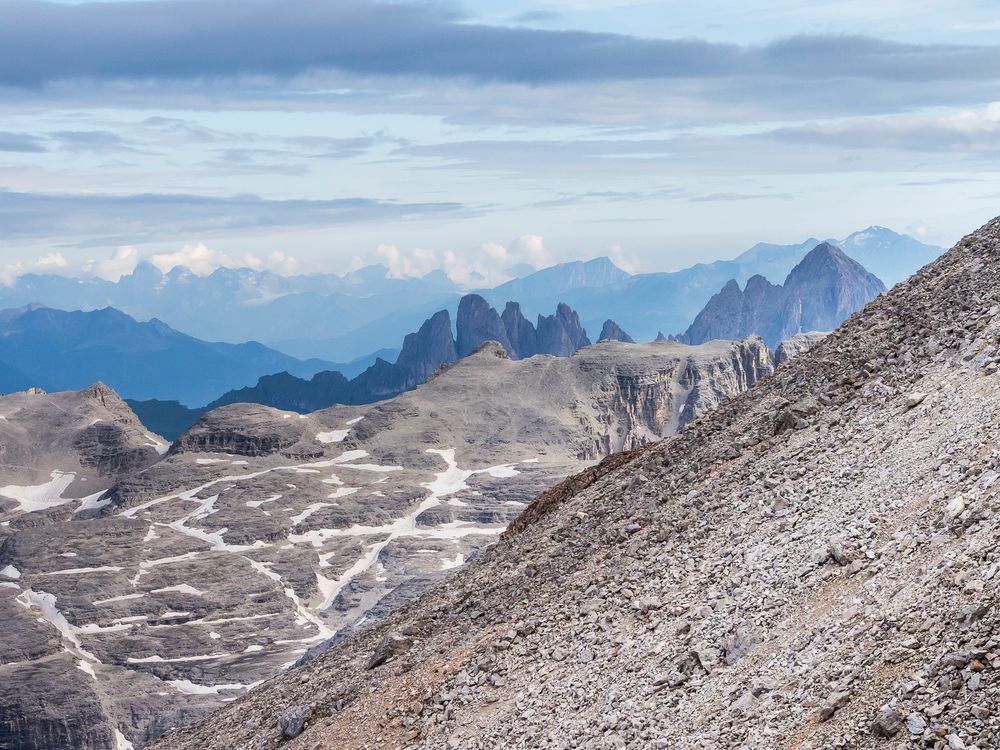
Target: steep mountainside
column 59, row 350
column 819, row 294
column 262, row 533
column 812, row 565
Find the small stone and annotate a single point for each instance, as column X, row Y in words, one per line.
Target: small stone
column 955, row 508
column 915, row 723
column 888, row 722
column 292, row 721
column 392, row 644
column 955, row 742
column 836, row 701
column 915, row 399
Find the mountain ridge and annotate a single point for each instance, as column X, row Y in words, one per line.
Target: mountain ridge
column 819, row 293
column 813, row 584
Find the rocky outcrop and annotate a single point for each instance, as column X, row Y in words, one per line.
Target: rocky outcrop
column 521, row 334
column 754, row 582
column 797, row 344
column 822, row 291
column 613, row 332
column 477, row 323
column 561, row 334
column 421, row 355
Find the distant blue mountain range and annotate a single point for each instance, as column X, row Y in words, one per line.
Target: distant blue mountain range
column 58, row 350
column 347, row 317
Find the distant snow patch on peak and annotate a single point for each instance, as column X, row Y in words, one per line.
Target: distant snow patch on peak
column 10, row 572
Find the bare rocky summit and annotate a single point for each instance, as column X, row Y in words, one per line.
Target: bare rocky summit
column 819, row 293
column 141, row 588
column 813, row 564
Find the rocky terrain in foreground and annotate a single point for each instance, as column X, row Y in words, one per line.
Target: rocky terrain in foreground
column 811, row 565
column 140, row 591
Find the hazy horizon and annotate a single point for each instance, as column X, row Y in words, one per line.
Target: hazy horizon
column 471, row 137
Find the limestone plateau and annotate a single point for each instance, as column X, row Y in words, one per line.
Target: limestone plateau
column 813, row 564
column 143, row 586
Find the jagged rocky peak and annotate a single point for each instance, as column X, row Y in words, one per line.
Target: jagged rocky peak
column 521, row 334
column 822, row 291
column 810, row 565
column 561, row 334
column 611, row 331
column 478, row 322
column 430, row 347
column 825, row 288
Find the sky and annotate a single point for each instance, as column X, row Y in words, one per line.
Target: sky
column 305, row 135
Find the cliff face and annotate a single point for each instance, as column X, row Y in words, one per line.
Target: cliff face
column 822, row 291
column 522, row 335
column 654, row 403
column 561, row 334
column 477, row 323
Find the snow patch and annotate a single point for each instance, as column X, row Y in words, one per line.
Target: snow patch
column 334, row 436
column 37, row 497
column 10, row 572
column 182, row 588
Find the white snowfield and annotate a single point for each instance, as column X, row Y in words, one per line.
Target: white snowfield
column 164, row 564
column 37, row 497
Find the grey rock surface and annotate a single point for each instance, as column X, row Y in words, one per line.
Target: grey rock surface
column 797, row 344
column 604, row 616
column 142, row 588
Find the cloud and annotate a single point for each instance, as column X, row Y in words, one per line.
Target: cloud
column 965, row 130
column 625, row 261
column 196, row 257
column 43, row 42
column 485, row 265
column 144, row 217
column 122, row 262
column 90, row 140
column 22, row 143
column 48, row 263
column 734, row 197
